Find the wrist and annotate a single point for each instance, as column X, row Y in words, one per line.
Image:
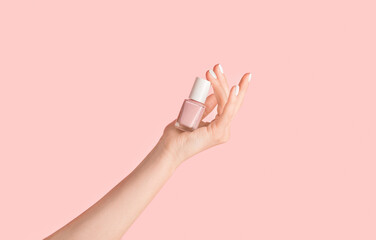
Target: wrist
column 168, row 154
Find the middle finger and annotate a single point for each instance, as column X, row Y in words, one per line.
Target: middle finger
column 221, row 78
column 219, row 91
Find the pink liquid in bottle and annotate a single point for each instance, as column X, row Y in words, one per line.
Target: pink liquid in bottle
column 193, row 108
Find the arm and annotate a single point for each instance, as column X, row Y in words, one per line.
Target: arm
column 112, row 215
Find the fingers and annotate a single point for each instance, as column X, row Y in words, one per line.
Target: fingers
column 219, row 91
column 210, row 103
column 229, row 110
column 235, row 99
column 218, row 70
column 243, row 85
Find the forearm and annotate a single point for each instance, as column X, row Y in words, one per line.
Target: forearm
column 112, row 215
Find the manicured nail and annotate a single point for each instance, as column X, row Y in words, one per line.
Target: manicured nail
column 220, row 68
column 236, row 90
column 213, row 74
column 249, row 77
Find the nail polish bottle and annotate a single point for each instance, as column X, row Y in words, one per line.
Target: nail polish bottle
column 193, row 108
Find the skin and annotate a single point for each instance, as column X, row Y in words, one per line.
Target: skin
column 114, row 213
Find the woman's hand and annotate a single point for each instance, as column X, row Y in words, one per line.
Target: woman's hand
column 182, row 145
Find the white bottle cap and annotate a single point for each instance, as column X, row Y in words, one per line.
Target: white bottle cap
column 200, row 90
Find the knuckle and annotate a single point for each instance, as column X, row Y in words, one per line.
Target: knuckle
column 222, row 136
column 226, row 137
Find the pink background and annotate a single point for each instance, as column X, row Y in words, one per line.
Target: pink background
column 87, row 87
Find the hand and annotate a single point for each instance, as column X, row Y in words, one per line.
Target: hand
column 182, row 145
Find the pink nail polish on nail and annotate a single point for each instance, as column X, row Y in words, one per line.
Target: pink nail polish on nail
column 193, row 108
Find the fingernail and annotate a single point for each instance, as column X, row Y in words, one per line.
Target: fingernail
column 236, row 90
column 249, row 77
column 213, row 74
column 220, row 68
